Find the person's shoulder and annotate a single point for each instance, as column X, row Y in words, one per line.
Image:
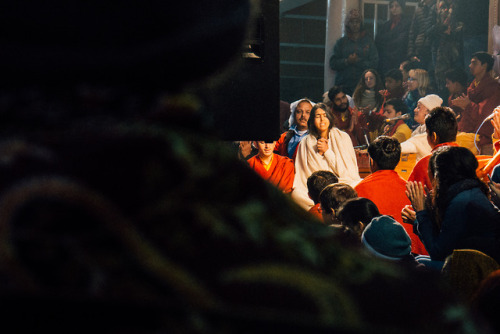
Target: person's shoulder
column 282, row 159
column 253, row 160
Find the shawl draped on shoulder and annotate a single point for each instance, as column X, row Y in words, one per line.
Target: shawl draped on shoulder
column 340, row 159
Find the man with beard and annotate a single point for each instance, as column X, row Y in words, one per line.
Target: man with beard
column 345, row 118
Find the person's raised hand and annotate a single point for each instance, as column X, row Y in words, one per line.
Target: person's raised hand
column 416, row 195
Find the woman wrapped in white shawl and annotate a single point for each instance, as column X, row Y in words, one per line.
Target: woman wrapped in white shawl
column 325, row 148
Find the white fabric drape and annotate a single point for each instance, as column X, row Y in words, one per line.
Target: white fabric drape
column 340, row 159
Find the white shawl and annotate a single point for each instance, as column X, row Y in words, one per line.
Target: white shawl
column 340, row 159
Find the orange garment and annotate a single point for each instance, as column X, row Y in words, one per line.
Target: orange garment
column 281, row 173
column 316, row 211
column 387, row 189
column 420, row 171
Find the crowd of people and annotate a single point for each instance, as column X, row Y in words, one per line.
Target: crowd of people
column 121, row 212
column 426, row 107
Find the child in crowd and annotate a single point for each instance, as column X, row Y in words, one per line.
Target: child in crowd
column 315, row 184
column 331, row 198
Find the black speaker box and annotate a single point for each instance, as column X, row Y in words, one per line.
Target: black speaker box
column 247, row 105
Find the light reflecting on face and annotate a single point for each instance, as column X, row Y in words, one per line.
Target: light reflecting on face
column 420, row 112
column 476, row 67
column 370, row 80
column 412, row 80
column 302, row 114
column 321, row 121
column 265, row 149
column 340, row 101
column 389, row 111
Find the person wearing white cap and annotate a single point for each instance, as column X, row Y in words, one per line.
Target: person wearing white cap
column 417, row 143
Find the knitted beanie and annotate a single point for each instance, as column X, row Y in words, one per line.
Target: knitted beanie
column 386, row 238
column 431, row 101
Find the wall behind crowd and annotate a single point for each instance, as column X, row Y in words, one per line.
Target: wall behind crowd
column 309, row 30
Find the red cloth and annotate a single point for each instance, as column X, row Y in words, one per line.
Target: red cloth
column 356, row 133
column 387, row 189
column 420, row 171
column 281, row 146
column 281, row 172
column 484, row 98
column 316, row 211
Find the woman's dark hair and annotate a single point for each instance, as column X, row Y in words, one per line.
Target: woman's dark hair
column 310, row 122
column 361, row 87
column 447, row 166
column 354, row 211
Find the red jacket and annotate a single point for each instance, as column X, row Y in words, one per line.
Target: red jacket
column 387, row 190
column 484, row 98
column 420, row 171
column 316, row 211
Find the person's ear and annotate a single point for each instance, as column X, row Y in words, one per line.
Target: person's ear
column 434, row 137
column 361, row 226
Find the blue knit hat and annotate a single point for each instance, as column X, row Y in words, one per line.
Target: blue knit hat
column 386, row 238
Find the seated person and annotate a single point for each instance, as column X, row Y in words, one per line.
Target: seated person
column 324, row 148
column 345, row 117
column 288, row 142
column 331, row 198
column 394, row 85
column 367, row 95
column 396, row 129
column 368, row 101
column 460, row 207
column 272, row 167
column 417, row 143
column 441, row 126
column 483, row 96
column 385, row 187
column 315, row 184
column 418, row 87
column 354, row 215
column 387, row 239
column 456, row 83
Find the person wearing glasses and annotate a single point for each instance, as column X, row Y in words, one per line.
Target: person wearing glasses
column 418, row 87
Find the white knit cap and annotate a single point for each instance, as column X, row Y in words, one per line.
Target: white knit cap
column 431, row 101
